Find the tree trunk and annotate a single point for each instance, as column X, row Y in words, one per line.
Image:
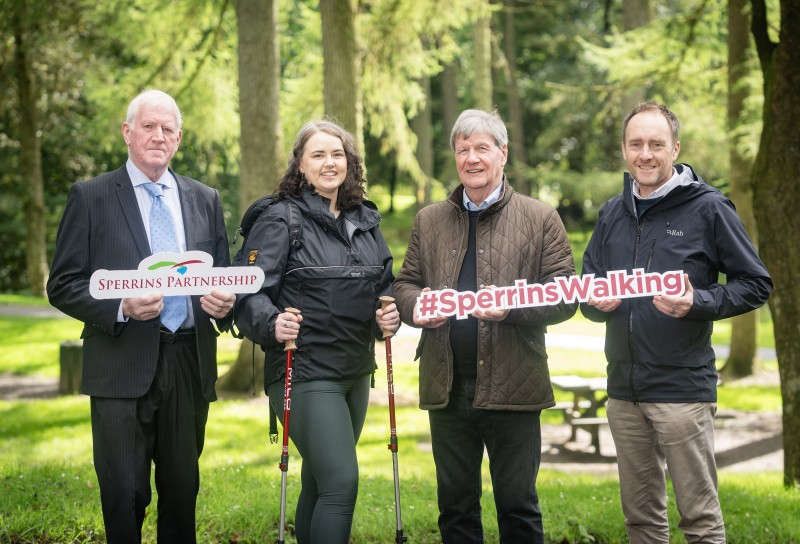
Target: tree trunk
column 422, row 125
column 776, row 199
column 636, row 13
column 342, row 66
column 449, row 98
column 260, row 142
column 482, row 44
column 246, row 374
column 516, row 144
column 259, row 97
column 449, row 101
column 743, row 327
column 30, row 149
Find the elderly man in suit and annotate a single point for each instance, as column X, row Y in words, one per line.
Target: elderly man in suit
column 150, row 382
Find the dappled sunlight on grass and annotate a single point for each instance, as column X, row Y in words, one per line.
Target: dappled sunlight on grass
column 228, row 350
column 31, row 345
column 750, row 398
column 778, row 507
column 46, row 471
column 237, row 432
column 765, row 334
column 45, row 432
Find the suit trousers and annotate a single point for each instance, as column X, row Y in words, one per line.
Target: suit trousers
column 459, row 434
column 647, row 435
column 166, row 426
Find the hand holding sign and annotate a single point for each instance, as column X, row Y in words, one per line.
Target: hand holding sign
column 425, row 314
column 217, row 304
column 143, row 308
column 676, row 305
column 491, row 314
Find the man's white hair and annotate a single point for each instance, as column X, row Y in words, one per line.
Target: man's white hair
column 153, row 96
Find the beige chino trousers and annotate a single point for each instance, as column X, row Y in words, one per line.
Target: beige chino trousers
column 652, row 437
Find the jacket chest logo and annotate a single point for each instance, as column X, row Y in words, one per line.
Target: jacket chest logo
column 674, row 232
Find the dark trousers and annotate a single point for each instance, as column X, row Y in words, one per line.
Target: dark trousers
column 513, row 441
column 326, row 419
column 166, row 426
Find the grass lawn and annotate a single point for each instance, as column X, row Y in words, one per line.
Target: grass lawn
column 50, row 487
column 50, row 491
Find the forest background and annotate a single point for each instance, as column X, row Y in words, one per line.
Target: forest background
column 247, row 74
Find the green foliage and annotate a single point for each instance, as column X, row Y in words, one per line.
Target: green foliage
column 686, row 70
column 405, row 41
column 89, row 63
column 49, row 31
column 396, row 225
column 573, row 66
column 301, row 67
column 577, row 196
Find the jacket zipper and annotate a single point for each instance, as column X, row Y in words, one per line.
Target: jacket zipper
column 630, row 317
column 478, row 336
column 650, row 256
column 350, row 248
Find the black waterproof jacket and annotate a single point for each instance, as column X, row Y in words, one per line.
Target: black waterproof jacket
column 653, row 357
column 334, row 281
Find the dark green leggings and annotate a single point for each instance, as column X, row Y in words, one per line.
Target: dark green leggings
column 325, row 422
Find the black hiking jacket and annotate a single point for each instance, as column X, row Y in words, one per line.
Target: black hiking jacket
column 653, row 357
column 334, row 281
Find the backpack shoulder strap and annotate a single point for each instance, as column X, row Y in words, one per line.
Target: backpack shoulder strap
column 295, row 224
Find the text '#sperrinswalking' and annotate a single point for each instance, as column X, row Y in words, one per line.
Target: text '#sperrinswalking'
column 616, row 284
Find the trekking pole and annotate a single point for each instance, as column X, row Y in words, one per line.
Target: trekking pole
column 289, row 348
column 387, row 336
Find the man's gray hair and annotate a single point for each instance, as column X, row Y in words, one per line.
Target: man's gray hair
column 153, row 96
column 472, row 121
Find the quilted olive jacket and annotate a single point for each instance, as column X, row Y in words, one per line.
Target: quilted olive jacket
column 517, row 237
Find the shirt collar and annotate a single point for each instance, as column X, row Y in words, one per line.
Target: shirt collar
column 661, row 191
column 491, row 199
column 139, row 178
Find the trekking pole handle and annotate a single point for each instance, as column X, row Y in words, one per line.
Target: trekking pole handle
column 289, row 344
column 385, row 301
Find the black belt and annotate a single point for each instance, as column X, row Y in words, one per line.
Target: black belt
column 181, row 335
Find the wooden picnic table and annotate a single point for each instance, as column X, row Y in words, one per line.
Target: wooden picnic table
column 589, row 395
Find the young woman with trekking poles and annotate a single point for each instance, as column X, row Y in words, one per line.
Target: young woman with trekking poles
column 333, row 274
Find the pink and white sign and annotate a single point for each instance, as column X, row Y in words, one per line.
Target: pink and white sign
column 188, row 273
column 616, row 284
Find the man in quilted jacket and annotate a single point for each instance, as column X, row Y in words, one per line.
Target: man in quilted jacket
column 484, row 378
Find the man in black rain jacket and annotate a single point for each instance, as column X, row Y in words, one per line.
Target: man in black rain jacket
column 662, row 374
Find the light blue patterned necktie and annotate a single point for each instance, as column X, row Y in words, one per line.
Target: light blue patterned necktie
column 163, row 238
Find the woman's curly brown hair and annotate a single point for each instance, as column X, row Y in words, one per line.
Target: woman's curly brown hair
column 293, row 182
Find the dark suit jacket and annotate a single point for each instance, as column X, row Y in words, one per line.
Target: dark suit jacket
column 102, row 228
